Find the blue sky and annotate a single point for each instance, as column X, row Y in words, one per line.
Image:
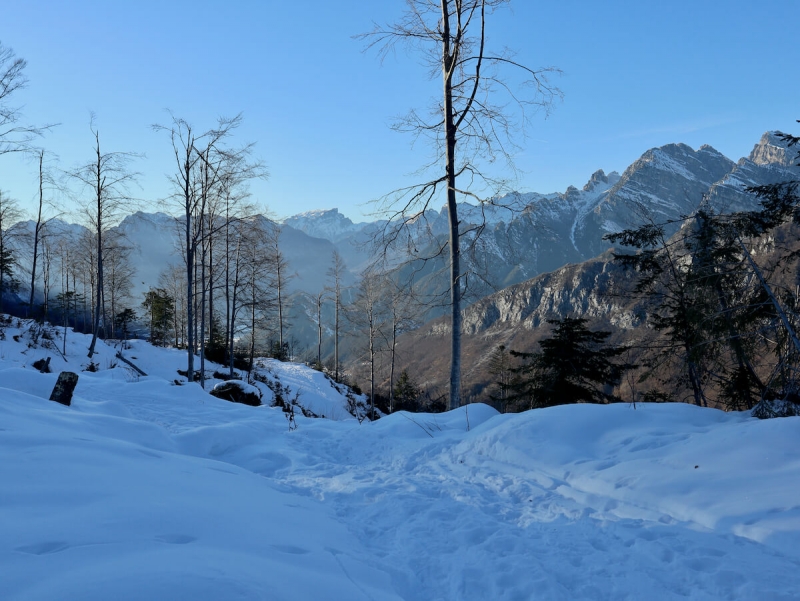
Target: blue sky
column 635, row 75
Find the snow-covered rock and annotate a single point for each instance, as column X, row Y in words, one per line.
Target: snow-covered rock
column 237, row 391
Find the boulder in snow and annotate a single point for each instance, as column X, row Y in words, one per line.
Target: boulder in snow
column 237, row 392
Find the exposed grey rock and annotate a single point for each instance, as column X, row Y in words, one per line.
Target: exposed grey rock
column 772, row 151
column 598, row 177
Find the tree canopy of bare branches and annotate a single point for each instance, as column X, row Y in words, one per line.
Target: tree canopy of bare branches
column 210, row 177
column 470, row 127
column 14, row 137
column 107, row 178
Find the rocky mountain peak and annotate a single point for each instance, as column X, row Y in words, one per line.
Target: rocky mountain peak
column 572, row 194
column 707, row 148
column 772, row 150
column 321, row 215
column 322, row 223
column 598, row 177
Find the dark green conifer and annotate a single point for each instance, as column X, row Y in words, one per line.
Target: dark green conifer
column 574, row 365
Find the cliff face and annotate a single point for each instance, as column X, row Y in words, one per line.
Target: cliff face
column 516, row 318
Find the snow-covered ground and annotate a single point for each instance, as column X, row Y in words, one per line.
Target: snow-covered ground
column 144, row 489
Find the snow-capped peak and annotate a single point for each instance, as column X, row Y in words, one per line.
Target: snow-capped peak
column 323, row 223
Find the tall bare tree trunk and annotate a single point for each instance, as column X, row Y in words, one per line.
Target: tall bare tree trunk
column 336, row 271
column 232, row 325
column 391, row 369
column 449, row 60
column 279, row 282
column 189, row 288
column 336, row 340
column 202, row 302
column 99, row 291
column 319, row 330
column 37, row 230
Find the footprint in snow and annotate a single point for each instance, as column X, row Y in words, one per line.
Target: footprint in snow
column 44, row 548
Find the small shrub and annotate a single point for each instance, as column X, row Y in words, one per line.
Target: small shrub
column 43, row 365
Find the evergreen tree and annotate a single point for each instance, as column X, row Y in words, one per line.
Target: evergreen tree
column 161, row 310
column 216, row 346
column 735, row 309
column 574, row 365
column 8, row 282
column 9, row 215
column 500, row 366
column 406, row 393
column 122, row 321
column 678, row 306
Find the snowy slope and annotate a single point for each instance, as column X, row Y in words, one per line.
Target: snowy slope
column 147, row 490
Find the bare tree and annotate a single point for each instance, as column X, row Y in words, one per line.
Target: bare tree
column 470, row 127
column 39, row 224
column 281, row 276
column 224, row 174
column 86, row 262
column 205, row 169
column 336, row 273
column 107, row 177
column 320, row 299
column 120, row 272
column 173, row 280
column 13, row 136
column 67, row 300
column 403, row 310
column 366, row 315
column 257, row 278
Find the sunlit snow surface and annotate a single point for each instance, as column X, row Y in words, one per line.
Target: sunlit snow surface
column 147, row 490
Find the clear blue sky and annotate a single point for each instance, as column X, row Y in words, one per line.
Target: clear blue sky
column 636, row 75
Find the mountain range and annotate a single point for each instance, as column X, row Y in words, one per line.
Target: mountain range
column 524, row 234
column 662, row 185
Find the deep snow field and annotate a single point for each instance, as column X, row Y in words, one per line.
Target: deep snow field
column 144, row 489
